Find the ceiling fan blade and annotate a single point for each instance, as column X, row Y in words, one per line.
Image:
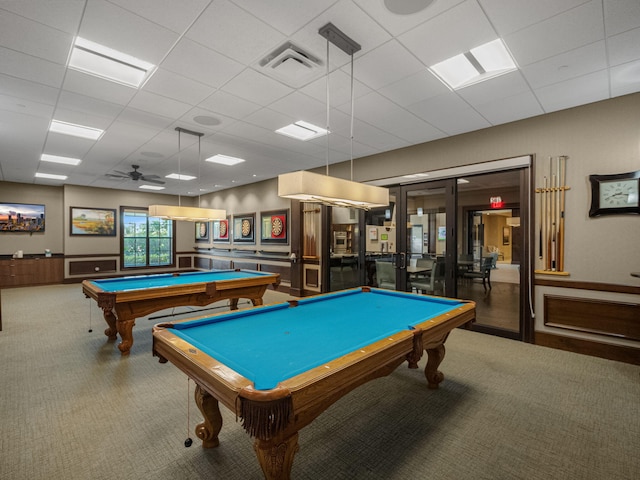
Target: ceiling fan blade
column 126, row 174
column 151, row 176
column 150, row 179
column 112, row 175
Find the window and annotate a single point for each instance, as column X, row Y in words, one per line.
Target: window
column 146, row 241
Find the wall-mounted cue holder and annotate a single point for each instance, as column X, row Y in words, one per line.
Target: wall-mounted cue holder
column 551, row 234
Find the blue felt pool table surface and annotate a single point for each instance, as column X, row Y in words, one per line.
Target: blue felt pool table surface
column 273, row 343
column 141, row 282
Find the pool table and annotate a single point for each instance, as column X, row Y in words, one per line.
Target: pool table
column 124, row 299
column 279, row 366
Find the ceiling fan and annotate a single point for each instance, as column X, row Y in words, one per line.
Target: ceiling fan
column 135, row 175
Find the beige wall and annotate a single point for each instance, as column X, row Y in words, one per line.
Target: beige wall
column 600, row 138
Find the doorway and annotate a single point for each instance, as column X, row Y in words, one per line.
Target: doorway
column 461, row 237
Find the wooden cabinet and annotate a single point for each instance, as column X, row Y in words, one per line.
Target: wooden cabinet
column 22, row 272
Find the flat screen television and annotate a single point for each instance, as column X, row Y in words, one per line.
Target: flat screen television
column 21, row 217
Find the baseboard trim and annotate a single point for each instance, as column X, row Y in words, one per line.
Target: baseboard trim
column 619, row 353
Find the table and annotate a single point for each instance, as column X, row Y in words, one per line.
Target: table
column 124, row 299
column 279, row 366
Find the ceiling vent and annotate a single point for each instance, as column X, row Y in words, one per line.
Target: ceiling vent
column 291, row 65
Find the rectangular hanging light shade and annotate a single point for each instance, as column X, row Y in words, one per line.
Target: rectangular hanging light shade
column 188, row 214
column 312, row 187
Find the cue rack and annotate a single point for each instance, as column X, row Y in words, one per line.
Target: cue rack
column 551, row 235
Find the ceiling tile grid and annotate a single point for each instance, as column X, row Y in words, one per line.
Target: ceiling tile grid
column 209, row 79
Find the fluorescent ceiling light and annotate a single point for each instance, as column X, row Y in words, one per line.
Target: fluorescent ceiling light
column 151, row 187
column 75, row 130
column 104, row 62
column 45, row 157
column 178, row 176
column 416, row 175
column 462, row 180
column 302, row 131
column 224, row 160
column 50, row 176
column 481, row 63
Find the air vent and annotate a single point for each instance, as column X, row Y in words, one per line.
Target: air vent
column 291, row 65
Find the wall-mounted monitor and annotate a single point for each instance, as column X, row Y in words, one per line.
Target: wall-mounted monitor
column 21, row 217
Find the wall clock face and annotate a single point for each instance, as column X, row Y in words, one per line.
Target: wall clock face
column 615, row 194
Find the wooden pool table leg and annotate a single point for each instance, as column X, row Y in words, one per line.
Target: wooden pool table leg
column 276, row 456
column 208, row 430
column 435, row 357
column 110, row 317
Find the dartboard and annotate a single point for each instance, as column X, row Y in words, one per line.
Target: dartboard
column 223, row 229
column 276, row 226
column 246, row 228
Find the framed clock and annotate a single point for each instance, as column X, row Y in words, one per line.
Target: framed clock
column 615, row 194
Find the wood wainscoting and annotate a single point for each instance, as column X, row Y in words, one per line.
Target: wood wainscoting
column 605, row 318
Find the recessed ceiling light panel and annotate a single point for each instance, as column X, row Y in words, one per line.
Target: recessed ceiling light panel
column 151, row 187
column 50, row 176
column 302, row 131
column 178, row 176
column 477, row 65
column 45, row 157
column 224, row 160
column 72, row 129
column 104, row 62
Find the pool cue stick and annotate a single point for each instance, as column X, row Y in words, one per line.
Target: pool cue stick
column 563, row 171
column 548, row 222
column 541, row 234
column 554, row 181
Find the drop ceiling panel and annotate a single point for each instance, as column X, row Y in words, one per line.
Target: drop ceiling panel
column 624, row 47
column 299, row 106
column 257, row 88
column 177, row 87
column 510, row 109
column 443, row 37
column 26, row 36
column 387, row 64
column 577, row 91
column 505, row 85
column 99, row 88
column 26, row 106
column 27, row 67
column 398, row 24
column 415, row 88
column 88, row 111
column 114, row 27
column 621, row 15
column 138, row 117
column 175, row 16
column 562, row 33
column 224, row 103
column 63, row 16
column 230, row 30
column 565, row 66
column 285, row 16
column 57, row 144
column 201, row 64
column 513, row 15
column 339, row 88
column 625, row 79
column 158, row 105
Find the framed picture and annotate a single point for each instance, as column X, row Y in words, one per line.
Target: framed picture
column 506, row 235
column 202, row 232
column 244, row 228
column 21, row 218
column 221, row 230
column 442, row 233
column 274, row 226
column 98, row 222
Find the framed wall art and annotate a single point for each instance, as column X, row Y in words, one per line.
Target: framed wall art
column 274, row 227
column 220, row 230
column 202, row 232
column 244, row 228
column 97, row 222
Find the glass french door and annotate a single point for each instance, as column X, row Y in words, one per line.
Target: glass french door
column 423, row 265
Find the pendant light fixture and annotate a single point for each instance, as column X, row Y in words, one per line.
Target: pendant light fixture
column 187, row 214
column 312, row 187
